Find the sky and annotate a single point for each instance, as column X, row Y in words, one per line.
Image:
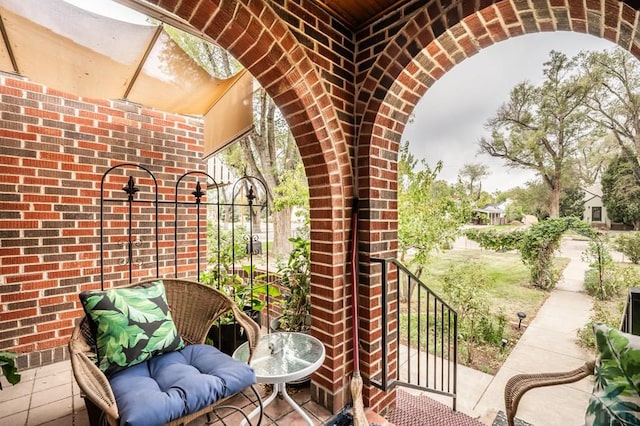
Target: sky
column 111, row 9
column 449, row 119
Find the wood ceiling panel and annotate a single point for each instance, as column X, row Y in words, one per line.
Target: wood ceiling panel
column 357, row 13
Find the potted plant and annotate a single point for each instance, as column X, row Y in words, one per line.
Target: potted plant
column 296, row 282
column 248, row 291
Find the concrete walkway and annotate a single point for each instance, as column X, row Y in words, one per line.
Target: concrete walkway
column 548, row 345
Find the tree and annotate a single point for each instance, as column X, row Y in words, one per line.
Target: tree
column 592, row 158
column 572, row 202
column 615, row 100
column 531, row 199
column 621, row 191
column 471, row 176
column 269, row 152
column 539, row 127
column 430, row 212
column 209, row 56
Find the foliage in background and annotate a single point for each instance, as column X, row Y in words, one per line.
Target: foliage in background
column 600, row 280
column 430, row 212
column 615, row 100
column 514, row 212
column 629, row 245
column 541, row 241
column 621, row 192
column 223, row 246
column 536, row 244
column 572, row 202
column 619, row 278
column 616, row 281
column 293, row 192
column 533, row 198
column 470, row 178
column 604, row 313
column 465, row 288
column 496, row 239
column 269, row 152
column 296, row 279
column 539, row 127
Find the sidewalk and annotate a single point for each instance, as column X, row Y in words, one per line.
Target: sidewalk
column 549, row 344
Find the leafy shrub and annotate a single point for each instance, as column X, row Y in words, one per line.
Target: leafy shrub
column 491, row 328
column 541, row 241
column 465, row 289
column 514, row 212
column 602, row 313
column 629, row 245
column 615, row 281
column 598, row 279
column 536, row 244
column 492, row 239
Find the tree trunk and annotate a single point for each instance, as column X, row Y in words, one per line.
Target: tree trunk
column 554, row 202
column 256, row 219
column 282, row 231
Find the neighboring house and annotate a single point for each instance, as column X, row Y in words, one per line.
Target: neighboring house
column 495, row 214
column 595, row 212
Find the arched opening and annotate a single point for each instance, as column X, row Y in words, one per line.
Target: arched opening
column 428, row 54
column 347, row 94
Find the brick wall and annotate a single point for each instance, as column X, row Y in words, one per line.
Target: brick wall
column 399, row 57
column 347, row 96
column 54, row 149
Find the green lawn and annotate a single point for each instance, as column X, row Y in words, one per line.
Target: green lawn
column 510, row 287
column 509, row 292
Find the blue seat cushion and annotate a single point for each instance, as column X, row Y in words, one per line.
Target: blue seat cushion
column 174, row 384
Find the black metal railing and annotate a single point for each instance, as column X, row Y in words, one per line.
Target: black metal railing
column 216, row 233
column 422, row 352
column 631, row 314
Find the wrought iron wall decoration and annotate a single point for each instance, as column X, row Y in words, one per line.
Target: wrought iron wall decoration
column 135, row 217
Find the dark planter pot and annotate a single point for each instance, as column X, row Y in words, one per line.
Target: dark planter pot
column 274, row 324
column 228, row 337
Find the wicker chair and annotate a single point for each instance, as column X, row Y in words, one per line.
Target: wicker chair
column 519, row 384
column 194, row 307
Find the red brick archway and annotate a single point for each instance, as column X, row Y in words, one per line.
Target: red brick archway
column 414, row 59
column 395, row 60
column 263, row 42
column 347, row 97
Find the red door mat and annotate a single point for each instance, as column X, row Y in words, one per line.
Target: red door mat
column 420, row 410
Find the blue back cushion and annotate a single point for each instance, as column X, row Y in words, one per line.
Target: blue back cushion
column 174, row 384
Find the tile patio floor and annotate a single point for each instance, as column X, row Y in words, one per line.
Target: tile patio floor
column 50, row 396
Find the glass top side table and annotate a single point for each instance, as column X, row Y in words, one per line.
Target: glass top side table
column 280, row 358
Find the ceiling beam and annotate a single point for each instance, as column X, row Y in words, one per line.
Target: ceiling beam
column 150, row 47
column 7, row 45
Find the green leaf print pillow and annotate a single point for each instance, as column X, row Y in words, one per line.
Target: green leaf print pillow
column 130, row 325
column 616, row 394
